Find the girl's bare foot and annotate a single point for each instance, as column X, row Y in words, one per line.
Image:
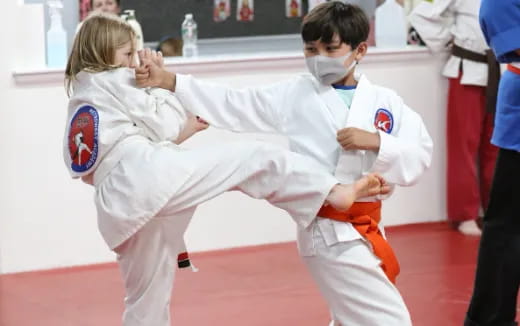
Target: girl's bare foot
column 341, row 197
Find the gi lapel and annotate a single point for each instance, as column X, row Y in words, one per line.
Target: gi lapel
column 335, row 105
column 353, row 164
column 362, row 104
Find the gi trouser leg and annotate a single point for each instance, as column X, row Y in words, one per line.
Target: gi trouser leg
column 498, row 270
column 285, row 179
column 354, row 285
column 470, row 155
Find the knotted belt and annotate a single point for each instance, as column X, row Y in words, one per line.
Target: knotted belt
column 493, row 72
column 365, row 218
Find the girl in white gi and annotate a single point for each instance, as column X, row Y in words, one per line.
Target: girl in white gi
column 473, row 74
column 146, row 187
column 351, row 127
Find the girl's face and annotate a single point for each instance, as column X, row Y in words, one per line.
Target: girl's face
column 125, row 56
column 109, row 6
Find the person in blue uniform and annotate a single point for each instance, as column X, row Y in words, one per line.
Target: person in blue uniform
column 497, row 280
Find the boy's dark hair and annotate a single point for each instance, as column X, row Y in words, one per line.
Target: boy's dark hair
column 347, row 20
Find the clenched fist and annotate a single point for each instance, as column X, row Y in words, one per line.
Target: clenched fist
column 355, row 138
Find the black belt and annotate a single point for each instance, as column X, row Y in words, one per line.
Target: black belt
column 493, row 72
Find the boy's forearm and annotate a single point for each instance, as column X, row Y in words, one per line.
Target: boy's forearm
column 168, row 80
column 376, row 142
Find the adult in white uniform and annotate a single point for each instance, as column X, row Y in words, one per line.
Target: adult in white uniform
column 473, row 79
column 146, row 187
column 313, row 114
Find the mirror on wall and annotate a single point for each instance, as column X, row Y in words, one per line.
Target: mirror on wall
column 70, row 16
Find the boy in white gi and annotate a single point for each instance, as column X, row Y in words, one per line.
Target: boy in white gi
column 376, row 132
column 146, row 187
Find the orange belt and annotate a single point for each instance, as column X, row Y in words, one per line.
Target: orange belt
column 365, row 218
column 514, row 69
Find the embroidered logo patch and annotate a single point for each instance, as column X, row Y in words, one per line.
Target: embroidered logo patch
column 384, row 120
column 83, row 138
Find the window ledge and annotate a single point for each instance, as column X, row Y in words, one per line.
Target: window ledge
column 227, row 63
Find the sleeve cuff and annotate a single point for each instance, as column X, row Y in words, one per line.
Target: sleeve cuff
column 505, row 42
column 181, row 82
column 386, row 155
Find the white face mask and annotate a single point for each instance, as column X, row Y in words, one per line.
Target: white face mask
column 329, row 70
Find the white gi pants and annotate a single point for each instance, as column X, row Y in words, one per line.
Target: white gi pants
column 355, row 287
column 148, row 259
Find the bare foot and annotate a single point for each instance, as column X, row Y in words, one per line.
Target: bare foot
column 470, row 228
column 385, row 187
column 341, row 197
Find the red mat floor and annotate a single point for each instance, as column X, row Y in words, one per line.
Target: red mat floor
column 253, row 286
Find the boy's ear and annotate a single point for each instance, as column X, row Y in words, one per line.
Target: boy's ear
column 361, row 50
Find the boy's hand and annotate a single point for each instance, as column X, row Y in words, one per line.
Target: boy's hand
column 354, row 138
column 151, row 55
column 151, row 72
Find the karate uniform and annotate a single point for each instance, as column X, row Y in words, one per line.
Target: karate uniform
column 470, row 155
column 309, row 115
column 146, row 187
column 494, row 300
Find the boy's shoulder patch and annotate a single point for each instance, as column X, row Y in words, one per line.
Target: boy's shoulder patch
column 384, row 120
column 83, row 138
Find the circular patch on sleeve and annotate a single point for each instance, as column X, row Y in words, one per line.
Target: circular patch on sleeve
column 83, row 138
column 384, row 120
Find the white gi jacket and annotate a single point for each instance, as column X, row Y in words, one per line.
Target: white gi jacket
column 442, row 21
column 310, row 114
column 113, row 119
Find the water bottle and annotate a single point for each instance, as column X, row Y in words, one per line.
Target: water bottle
column 390, row 21
column 56, row 36
column 189, row 37
column 129, row 17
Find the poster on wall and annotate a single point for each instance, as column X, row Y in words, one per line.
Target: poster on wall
column 314, row 3
column 293, row 8
column 245, row 10
column 221, row 11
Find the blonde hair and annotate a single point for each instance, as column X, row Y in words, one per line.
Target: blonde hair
column 95, row 45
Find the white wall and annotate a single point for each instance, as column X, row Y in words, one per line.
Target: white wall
column 39, row 227
column 48, row 220
column 421, row 86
